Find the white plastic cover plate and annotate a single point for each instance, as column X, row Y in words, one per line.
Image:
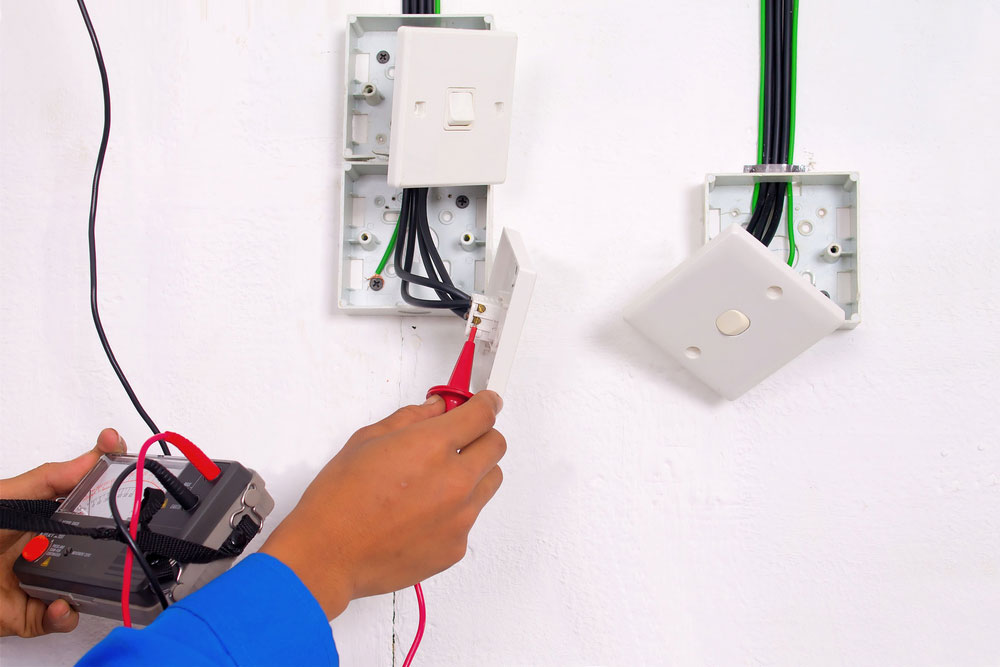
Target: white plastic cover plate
column 687, row 313
column 451, row 107
column 510, row 286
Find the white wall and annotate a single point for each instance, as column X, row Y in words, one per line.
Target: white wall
column 844, row 512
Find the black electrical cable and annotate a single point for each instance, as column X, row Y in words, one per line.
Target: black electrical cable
column 413, row 235
column 92, row 224
column 786, row 73
column 418, row 7
column 762, row 214
column 116, row 516
column 768, row 79
column 784, row 23
column 783, row 68
column 776, row 110
column 779, row 89
column 431, row 258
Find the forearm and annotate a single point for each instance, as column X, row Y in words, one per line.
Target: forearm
column 257, row 613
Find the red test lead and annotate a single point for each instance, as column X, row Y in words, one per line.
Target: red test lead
column 456, row 392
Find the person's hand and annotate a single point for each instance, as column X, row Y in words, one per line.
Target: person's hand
column 19, row 614
column 396, row 505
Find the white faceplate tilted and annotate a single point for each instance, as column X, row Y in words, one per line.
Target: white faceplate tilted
column 505, row 303
column 686, row 312
column 451, row 109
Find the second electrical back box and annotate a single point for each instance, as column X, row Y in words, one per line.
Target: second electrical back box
column 428, row 104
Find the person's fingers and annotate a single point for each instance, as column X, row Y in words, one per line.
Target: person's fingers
column 49, row 480
column 109, row 442
column 483, row 454
column 405, row 416
column 60, row 617
column 469, row 421
column 487, row 488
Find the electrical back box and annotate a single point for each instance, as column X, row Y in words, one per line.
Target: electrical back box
column 735, row 312
column 460, row 216
column 826, row 219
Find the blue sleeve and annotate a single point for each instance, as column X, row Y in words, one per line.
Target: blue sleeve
column 258, row 613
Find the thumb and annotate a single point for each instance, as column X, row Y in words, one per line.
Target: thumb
column 60, row 617
column 49, row 480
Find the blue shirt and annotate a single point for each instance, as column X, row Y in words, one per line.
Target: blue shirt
column 258, row 613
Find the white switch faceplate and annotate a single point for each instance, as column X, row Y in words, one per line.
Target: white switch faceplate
column 733, row 313
column 451, row 108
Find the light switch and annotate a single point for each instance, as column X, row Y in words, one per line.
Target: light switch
column 452, row 101
column 461, row 111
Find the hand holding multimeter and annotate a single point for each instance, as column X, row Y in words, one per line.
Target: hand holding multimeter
column 20, row 614
column 400, row 499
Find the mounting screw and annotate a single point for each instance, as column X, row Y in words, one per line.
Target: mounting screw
column 462, row 201
column 376, row 283
column 382, row 57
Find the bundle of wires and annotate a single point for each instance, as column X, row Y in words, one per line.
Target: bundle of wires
column 776, row 117
column 412, row 235
column 421, row 6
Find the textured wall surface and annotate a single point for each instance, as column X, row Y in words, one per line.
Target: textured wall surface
column 846, row 511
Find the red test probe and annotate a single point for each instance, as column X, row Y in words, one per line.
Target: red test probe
column 456, row 391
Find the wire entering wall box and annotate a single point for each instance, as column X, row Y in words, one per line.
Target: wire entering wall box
column 779, row 268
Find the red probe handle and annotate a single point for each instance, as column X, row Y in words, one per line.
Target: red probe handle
column 452, row 397
column 456, row 392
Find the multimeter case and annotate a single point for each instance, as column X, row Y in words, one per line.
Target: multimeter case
column 87, row 573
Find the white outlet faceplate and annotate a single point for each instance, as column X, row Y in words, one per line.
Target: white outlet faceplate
column 504, row 309
column 451, row 109
column 733, row 313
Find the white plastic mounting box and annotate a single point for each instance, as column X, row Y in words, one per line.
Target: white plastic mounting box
column 503, row 308
column 452, row 106
column 732, row 313
column 825, row 214
column 370, row 205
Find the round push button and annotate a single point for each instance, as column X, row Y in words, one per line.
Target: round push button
column 35, row 548
column 732, row 323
